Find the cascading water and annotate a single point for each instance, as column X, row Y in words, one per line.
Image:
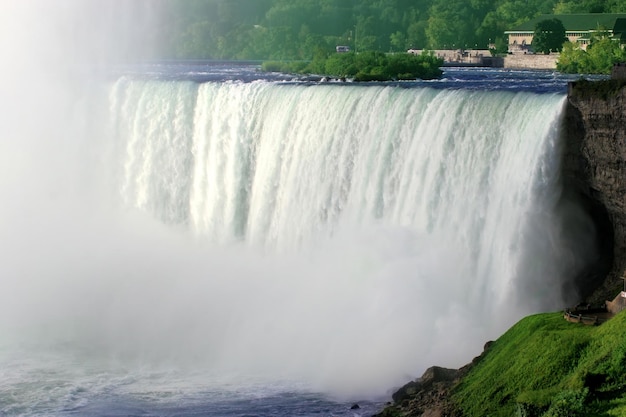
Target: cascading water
column 287, row 166
column 376, row 227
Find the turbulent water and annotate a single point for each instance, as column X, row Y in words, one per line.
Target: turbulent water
column 244, row 246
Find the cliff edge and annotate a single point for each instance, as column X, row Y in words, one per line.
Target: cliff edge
column 594, row 167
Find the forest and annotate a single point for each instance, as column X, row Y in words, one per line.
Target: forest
column 302, row 29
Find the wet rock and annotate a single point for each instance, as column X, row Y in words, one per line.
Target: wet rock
column 594, row 170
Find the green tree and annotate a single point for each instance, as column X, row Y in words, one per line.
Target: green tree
column 616, row 6
column 599, row 57
column 549, row 36
column 580, row 6
column 398, row 41
column 603, row 54
column 450, row 24
column 572, row 60
column 416, row 34
column 293, row 29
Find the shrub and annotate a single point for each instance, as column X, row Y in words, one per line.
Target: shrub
column 367, row 66
column 273, row 66
column 549, row 36
column 599, row 57
column 568, row 403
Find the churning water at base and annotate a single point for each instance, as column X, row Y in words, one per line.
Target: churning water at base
column 235, row 247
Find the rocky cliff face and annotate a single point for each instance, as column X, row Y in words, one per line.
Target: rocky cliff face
column 594, row 168
column 428, row 396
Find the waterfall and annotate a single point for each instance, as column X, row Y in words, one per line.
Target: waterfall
column 279, row 164
column 384, row 229
column 287, row 166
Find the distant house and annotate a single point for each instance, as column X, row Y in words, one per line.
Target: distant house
column 579, row 28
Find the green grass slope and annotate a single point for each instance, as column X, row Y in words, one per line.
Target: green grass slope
column 546, row 366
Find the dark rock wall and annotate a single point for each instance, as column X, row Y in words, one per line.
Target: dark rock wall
column 594, row 168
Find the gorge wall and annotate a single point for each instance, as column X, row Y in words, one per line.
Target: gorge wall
column 594, row 167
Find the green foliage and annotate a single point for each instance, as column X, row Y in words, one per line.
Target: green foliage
column 341, row 65
column 286, row 67
column 398, row 41
column 572, row 60
column 568, row 403
column 296, row 29
column 552, row 403
column 599, row 57
column 273, row 66
column 602, row 54
column 549, row 36
column 366, row 66
column 545, row 366
column 293, row 29
column 581, row 6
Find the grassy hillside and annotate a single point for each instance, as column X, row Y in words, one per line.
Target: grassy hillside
column 545, row 366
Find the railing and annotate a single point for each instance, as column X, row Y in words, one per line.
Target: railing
column 578, row 317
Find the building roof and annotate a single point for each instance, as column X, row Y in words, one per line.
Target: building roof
column 578, row 22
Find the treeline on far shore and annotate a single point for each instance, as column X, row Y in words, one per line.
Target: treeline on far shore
column 302, row 30
column 297, row 29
